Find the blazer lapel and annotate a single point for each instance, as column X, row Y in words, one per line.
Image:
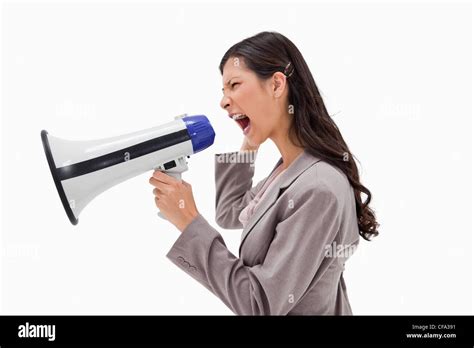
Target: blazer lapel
column 283, row 180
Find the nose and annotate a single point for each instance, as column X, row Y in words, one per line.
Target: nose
column 225, row 102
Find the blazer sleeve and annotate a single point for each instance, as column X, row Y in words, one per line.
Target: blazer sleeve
column 275, row 286
column 233, row 175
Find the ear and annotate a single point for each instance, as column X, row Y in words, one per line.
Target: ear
column 278, row 84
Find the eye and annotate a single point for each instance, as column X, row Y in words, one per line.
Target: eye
column 234, row 84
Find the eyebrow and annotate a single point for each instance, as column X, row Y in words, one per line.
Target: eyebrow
column 228, row 81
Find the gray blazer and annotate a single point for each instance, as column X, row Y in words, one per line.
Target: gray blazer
column 293, row 249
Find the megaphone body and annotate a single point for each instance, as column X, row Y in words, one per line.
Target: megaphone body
column 83, row 169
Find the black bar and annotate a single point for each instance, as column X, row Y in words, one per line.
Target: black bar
column 222, row 330
column 117, row 157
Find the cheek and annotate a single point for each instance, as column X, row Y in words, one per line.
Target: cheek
column 245, row 98
column 255, row 102
column 262, row 111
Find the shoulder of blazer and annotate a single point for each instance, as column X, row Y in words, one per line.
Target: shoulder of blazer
column 327, row 177
column 301, row 164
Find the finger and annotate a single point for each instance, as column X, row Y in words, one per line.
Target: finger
column 158, row 184
column 185, row 183
column 160, row 176
column 157, row 192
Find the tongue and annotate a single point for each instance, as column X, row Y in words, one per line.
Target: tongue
column 244, row 122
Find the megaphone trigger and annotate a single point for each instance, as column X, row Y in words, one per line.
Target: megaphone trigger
column 175, row 167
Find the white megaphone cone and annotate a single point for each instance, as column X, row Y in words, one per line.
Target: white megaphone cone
column 83, row 169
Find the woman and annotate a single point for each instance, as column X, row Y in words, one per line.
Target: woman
column 302, row 222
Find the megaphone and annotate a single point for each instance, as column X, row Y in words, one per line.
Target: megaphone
column 82, row 170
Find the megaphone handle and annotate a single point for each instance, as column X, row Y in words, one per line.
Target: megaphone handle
column 173, row 174
column 180, row 165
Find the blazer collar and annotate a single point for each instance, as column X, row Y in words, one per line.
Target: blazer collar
column 283, row 180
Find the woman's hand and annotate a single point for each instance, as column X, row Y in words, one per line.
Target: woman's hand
column 174, row 198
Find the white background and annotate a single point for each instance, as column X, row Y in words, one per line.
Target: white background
column 396, row 77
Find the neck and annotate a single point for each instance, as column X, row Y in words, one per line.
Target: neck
column 289, row 151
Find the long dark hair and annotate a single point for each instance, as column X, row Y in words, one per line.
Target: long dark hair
column 311, row 126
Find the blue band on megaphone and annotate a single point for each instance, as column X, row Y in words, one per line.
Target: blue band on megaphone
column 201, row 132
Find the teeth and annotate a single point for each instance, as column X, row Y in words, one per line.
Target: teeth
column 238, row 116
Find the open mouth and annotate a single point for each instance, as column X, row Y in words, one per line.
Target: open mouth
column 243, row 121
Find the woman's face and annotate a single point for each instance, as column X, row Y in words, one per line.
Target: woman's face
column 251, row 102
